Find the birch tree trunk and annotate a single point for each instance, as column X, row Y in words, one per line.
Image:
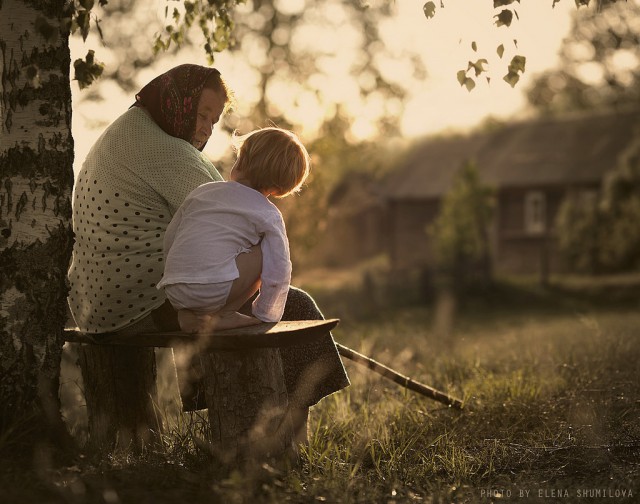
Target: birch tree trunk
column 36, row 178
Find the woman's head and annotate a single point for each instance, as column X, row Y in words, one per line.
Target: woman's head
column 273, row 161
column 186, row 102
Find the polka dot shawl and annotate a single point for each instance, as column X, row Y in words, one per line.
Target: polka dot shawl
column 132, row 182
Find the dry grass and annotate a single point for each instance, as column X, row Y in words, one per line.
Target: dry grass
column 550, row 381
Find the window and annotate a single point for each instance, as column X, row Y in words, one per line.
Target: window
column 535, row 215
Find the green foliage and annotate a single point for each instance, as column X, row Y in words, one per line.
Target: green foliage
column 213, row 18
column 504, row 17
column 599, row 40
column 478, row 66
column 460, row 231
column 516, row 67
column 87, row 70
column 429, row 9
column 578, row 230
column 336, row 163
column 468, row 82
column 604, row 236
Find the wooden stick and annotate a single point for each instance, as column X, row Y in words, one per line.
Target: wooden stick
column 398, row 378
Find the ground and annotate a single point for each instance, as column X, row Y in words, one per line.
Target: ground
column 549, row 378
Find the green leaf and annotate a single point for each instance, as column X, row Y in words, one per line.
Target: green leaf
column 518, row 63
column 469, row 83
column 429, row 9
column 500, row 50
column 504, row 18
column 86, row 4
column 502, row 3
column 511, row 78
column 83, row 20
column 478, row 66
column 462, row 76
column 516, row 67
column 87, row 70
column 474, row 46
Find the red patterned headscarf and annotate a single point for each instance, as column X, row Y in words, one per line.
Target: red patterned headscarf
column 172, row 98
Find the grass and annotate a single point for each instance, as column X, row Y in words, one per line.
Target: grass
column 550, row 383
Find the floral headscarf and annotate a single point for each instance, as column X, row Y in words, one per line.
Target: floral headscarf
column 172, row 99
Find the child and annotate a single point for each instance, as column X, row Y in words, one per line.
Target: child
column 227, row 240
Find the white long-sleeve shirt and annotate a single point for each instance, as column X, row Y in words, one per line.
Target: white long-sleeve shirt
column 218, row 221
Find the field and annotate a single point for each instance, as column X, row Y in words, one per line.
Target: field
column 549, row 377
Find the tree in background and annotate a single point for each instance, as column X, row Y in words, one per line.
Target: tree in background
column 336, row 163
column 600, row 68
column 460, row 233
column 460, row 246
column 603, row 236
column 293, row 47
column 599, row 62
column 579, row 230
column 289, row 51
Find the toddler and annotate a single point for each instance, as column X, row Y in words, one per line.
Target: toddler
column 227, row 240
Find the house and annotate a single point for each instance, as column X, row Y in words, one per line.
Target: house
column 532, row 165
column 355, row 222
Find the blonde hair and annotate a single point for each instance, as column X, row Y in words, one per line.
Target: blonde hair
column 272, row 158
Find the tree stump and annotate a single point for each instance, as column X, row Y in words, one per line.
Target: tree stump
column 248, row 406
column 120, row 390
column 245, row 390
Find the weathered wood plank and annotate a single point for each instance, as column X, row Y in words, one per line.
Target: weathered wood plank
column 265, row 335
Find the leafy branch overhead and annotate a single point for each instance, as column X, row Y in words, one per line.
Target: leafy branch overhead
column 89, row 69
column 504, row 14
column 212, row 17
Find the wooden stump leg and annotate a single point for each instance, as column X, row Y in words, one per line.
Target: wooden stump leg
column 120, row 391
column 248, row 406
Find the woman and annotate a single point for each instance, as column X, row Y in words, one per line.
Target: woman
column 133, row 180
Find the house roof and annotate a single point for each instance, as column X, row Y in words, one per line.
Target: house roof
column 549, row 151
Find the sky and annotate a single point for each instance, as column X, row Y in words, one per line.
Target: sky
column 436, row 103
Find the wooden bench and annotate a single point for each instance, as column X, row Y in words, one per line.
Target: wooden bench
column 244, row 387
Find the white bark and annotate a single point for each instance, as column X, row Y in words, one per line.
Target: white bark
column 33, row 209
column 36, row 177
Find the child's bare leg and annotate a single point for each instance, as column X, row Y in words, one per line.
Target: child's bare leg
column 195, row 322
column 246, row 285
column 233, row 319
column 191, row 321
